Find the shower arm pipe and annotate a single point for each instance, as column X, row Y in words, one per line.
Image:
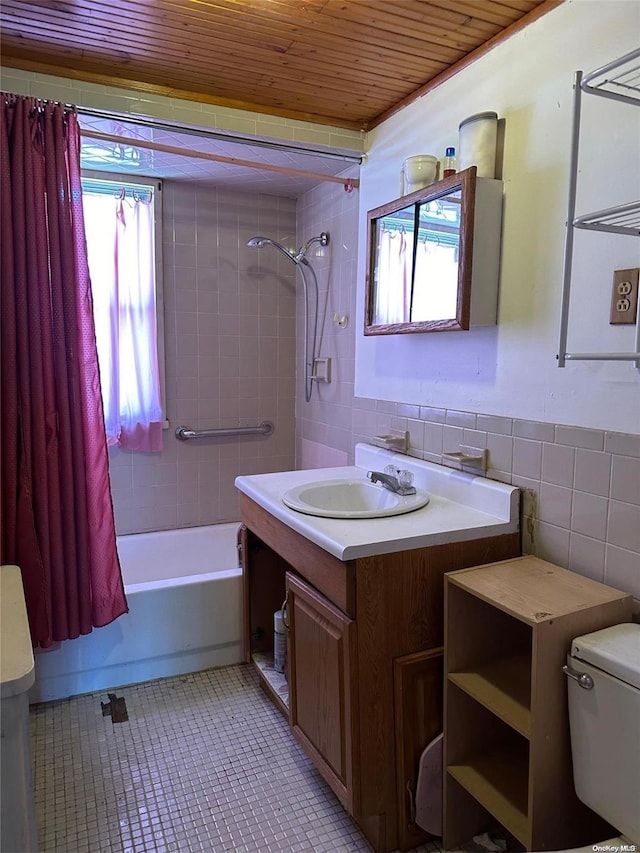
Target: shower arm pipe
column 185, row 434
column 348, row 183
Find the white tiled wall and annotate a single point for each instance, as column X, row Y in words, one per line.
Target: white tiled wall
column 230, row 359
column 324, row 424
column 581, row 494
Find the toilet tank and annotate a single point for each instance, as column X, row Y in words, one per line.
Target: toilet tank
column 605, row 725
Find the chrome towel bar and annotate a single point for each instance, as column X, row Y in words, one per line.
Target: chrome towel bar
column 185, row 434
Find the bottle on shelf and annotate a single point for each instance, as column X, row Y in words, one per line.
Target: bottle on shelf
column 279, row 642
column 449, row 163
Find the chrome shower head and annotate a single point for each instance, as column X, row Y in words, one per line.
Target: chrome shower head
column 259, row 242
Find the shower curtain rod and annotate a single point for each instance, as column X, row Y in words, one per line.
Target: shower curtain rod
column 159, row 124
column 348, row 183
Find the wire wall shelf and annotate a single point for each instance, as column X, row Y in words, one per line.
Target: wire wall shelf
column 620, row 81
column 615, row 220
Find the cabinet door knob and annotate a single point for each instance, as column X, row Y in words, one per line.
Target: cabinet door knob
column 583, row 679
column 285, row 612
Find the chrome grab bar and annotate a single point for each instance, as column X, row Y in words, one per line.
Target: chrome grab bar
column 185, row 434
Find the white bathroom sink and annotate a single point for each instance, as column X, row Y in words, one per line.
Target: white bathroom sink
column 351, row 499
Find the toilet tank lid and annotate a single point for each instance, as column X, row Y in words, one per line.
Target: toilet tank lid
column 615, row 650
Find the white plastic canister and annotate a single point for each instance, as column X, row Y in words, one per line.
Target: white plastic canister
column 478, row 136
column 279, row 642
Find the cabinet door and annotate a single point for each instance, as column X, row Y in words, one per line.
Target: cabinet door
column 322, row 685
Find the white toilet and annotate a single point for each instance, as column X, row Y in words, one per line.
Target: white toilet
column 603, row 672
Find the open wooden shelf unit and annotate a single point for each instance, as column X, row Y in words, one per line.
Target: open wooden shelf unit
column 507, row 757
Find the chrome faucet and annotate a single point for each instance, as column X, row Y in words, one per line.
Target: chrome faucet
column 400, row 482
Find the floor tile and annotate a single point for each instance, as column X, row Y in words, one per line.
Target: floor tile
column 205, row 763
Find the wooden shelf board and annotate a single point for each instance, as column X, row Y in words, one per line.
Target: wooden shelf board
column 273, row 683
column 499, row 784
column 504, row 688
column 532, row 589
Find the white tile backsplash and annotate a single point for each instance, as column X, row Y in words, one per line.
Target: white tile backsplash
column 591, row 439
column 534, row 430
column 552, row 543
column 555, row 505
column 627, row 445
column 625, row 479
column 624, row 525
column 622, row 569
column 558, row 464
column 593, row 472
column 589, row 515
column 586, row 557
column 527, row 458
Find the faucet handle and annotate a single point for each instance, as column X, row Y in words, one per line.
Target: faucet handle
column 391, row 470
column 405, row 478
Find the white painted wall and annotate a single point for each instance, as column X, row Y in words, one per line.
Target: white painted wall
column 511, row 369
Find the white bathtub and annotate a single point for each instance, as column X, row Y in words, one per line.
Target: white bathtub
column 184, row 593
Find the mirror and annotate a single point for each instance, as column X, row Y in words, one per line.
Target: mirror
column 419, row 252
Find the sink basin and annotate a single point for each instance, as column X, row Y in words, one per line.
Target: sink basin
column 351, row 499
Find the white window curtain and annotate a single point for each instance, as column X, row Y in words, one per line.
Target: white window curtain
column 120, row 246
column 395, row 256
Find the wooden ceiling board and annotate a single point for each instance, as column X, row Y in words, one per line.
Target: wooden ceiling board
column 322, row 35
column 420, row 26
column 297, row 59
column 338, row 10
column 238, row 33
column 341, row 62
column 453, row 19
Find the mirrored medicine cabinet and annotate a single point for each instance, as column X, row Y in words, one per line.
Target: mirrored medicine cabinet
column 433, row 258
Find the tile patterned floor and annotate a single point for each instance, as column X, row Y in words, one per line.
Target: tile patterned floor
column 204, row 763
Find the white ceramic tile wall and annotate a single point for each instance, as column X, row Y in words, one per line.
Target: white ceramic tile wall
column 581, row 506
column 230, row 359
column 326, row 421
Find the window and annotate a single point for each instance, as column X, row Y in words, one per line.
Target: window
column 122, row 223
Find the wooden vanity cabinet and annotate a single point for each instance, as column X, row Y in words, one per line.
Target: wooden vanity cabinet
column 365, row 659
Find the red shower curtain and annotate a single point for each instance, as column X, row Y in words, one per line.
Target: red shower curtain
column 57, row 516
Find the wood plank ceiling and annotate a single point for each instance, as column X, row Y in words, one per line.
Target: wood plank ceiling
column 348, row 63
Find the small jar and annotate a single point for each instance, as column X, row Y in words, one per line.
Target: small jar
column 449, row 163
column 419, row 171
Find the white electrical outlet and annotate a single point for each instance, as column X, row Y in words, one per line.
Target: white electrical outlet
column 624, row 297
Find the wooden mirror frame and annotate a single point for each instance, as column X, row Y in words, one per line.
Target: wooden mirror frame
column 464, row 181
